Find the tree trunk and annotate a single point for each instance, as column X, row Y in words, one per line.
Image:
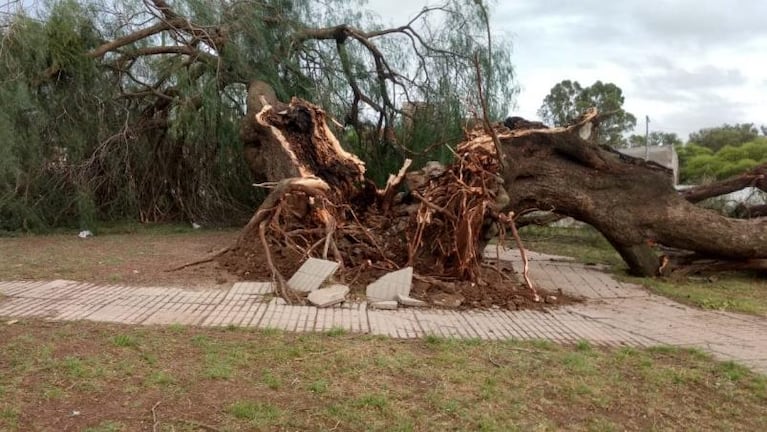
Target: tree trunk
column 631, row 202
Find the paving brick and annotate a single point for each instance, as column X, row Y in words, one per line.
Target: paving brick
column 110, row 314
column 398, row 324
column 260, row 288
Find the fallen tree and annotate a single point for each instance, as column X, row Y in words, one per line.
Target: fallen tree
column 322, row 205
column 630, row 201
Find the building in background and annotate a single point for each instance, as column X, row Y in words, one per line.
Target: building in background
column 664, row 156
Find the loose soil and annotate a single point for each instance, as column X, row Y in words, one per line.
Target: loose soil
column 499, row 287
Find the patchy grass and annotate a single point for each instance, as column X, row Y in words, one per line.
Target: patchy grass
column 283, row 381
column 729, row 291
column 585, row 244
column 124, row 254
column 256, row 413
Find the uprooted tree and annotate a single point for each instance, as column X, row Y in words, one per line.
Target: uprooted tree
column 324, row 205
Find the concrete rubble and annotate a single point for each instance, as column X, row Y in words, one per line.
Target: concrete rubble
column 391, row 285
column 325, row 297
column 409, row 301
column 385, row 305
column 312, row 275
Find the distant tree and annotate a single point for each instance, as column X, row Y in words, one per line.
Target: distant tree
column 698, row 163
column 716, row 138
column 568, row 100
column 656, row 139
column 563, row 104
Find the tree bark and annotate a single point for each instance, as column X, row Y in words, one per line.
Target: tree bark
column 632, row 203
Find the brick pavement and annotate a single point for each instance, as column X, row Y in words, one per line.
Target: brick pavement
column 613, row 313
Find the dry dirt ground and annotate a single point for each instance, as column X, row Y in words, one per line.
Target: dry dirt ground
column 137, row 258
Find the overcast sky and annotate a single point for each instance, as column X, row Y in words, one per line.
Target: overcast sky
column 688, row 64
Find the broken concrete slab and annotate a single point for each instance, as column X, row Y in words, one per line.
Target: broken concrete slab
column 447, row 300
column 390, row 285
column 312, row 274
column 410, row 301
column 385, row 305
column 325, row 297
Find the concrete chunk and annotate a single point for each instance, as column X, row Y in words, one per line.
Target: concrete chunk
column 312, row 274
column 409, row 301
column 329, row 296
column 386, row 305
column 390, row 285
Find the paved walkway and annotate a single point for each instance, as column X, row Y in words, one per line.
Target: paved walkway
column 613, row 314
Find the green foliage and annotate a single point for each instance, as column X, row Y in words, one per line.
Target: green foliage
column 716, row 138
column 568, row 100
column 698, row 163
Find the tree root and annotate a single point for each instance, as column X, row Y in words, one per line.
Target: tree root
column 210, row 258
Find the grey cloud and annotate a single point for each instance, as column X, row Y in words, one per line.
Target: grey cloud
column 688, row 24
column 705, row 113
column 704, row 22
column 679, row 80
column 668, row 54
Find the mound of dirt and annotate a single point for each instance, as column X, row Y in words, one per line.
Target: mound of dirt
column 498, row 288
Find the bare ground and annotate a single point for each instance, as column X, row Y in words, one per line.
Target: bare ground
column 139, row 258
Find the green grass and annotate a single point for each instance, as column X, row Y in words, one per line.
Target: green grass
column 732, row 291
column 319, row 386
column 585, row 244
column 336, row 331
column 256, row 413
column 284, row 381
column 121, row 255
column 728, row 291
column 271, row 381
column 123, row 341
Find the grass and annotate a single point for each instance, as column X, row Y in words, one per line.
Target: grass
column 586, row 244
column 256, row 413
column 732, row 291
column 284, row 381
column 729, row 291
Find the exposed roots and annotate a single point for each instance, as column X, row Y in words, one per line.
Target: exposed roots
column 439, row 224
